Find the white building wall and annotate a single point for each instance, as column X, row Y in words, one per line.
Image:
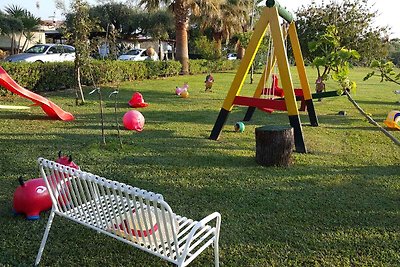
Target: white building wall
column 5, row 41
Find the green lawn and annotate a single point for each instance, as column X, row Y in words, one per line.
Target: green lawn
column 338, row 205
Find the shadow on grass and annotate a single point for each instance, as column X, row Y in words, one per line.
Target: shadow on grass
column 24, row 116
column 375, row 102
column 153, row 97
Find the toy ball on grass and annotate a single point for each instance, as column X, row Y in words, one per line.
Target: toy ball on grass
column 239, row 127
column 185, row 94
column 133, row 120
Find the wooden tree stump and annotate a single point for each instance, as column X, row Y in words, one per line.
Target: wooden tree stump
column 274, row 145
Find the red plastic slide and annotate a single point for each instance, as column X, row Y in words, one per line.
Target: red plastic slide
column 51, row 109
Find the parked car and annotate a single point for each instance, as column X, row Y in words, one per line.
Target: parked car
column 137, row 55
column 231, row 56
column 45, row 53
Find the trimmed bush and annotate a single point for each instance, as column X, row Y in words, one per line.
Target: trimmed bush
column 53, row 76
column 42, row 76
column 205, row 66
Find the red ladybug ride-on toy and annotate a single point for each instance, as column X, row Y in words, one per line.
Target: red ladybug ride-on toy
column 32, row 196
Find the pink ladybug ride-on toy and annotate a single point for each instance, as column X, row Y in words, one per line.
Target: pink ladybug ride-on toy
column 32, row 197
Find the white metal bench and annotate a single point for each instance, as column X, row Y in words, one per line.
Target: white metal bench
column 137, row 217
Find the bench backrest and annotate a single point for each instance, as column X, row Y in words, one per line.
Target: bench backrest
column 130, row 214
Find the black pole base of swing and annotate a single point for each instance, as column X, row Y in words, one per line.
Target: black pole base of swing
column 311, row 112
column 249, row 114
column 325, row 94
column 294, row 121
column 219, row 124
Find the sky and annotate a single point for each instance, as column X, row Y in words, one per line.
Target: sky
column 388, row 10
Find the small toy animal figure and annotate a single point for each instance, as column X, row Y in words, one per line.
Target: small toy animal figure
column 319, row 86
column 32, row 196
column 180, row 90
column 209, row 82
column 66, row 160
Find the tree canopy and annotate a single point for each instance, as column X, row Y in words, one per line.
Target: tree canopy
column 354, row 21
column 18, row 22
column 9, row 24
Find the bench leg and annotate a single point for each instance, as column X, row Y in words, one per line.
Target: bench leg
column 44, row 239
column 216, row 252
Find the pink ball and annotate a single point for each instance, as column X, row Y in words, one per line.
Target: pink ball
column 133, row 120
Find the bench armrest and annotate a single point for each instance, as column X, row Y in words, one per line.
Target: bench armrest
column 200, row 224
column 207, row 219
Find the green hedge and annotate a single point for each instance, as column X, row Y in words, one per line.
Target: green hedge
column 205, row 66
column 42, row 77
column 53, row 76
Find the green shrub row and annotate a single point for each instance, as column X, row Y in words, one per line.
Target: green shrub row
column 54, row 76
column 42, row 77
column 199, row 66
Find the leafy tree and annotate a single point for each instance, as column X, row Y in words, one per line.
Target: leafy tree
column 82, row 28
column 354, row 22
column 182, row 9
column 394, row 51
column 332, row 60
column 115, row 13
column 158, row 25
column 243, row 40
column 206, row 49
column 130, row 22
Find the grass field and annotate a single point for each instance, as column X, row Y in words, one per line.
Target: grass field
column 338, row 205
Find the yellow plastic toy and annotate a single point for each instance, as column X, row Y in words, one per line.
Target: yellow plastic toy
column 393, row 120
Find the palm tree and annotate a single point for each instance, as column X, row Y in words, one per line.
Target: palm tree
column 230, row 19
column 182, row 9
column 31, row 24
column 9, row 24
column 17, row 13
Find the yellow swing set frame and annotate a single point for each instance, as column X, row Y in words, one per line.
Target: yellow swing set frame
column 270, row 17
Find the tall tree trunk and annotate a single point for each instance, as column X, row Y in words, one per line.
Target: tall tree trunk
column 26, row 41
column 28, row 38
column 181, row 27
column 217, row 36
column 78, row 89
column 12, row 43
column 19, row 42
